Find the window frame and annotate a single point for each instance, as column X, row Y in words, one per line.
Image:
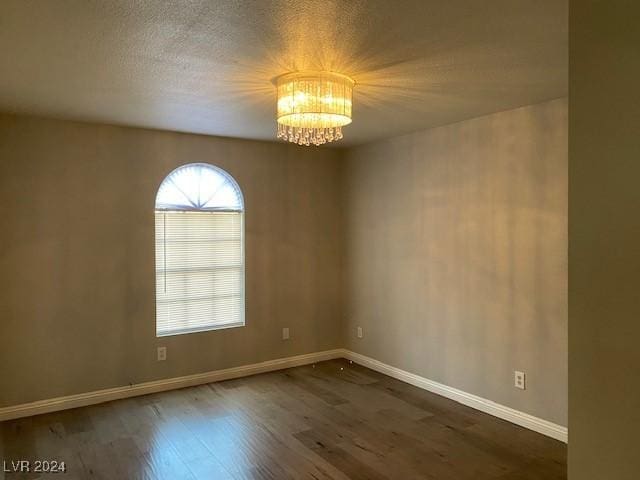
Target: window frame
column 176, row 208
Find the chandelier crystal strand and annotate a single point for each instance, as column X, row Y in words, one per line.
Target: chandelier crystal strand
column 313, row 106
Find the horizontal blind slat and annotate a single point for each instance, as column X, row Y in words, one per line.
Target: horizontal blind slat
column 199, row 270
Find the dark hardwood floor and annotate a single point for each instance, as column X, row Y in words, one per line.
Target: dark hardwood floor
column 334, row 420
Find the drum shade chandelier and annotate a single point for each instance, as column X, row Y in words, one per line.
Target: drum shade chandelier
column 313, row 106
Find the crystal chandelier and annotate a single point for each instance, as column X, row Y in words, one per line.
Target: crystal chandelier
column 313, row 106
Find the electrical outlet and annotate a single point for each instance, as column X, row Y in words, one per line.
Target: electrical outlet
column 285, row 333
column 519, row 380
column 162, row 354
column 360, row 335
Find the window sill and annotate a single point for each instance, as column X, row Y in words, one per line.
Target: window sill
column 199, row 329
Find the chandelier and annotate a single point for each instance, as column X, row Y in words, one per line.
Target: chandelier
column 313, row 106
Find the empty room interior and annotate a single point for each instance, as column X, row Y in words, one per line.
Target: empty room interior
column 341, row 239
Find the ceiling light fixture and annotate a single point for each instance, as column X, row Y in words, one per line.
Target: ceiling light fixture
column 313, row 106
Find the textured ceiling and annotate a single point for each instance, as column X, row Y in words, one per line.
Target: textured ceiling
column 206, row 66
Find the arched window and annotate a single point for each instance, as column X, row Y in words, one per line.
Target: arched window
column 199, row 251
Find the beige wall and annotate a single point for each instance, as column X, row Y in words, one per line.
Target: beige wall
column 77, row 255
column 604, row 245
column 448, row 246
column 456, row 247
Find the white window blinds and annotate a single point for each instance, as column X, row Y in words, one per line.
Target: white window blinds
column 199, row 252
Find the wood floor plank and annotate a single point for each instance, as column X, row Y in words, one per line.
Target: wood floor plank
column 331, row 421
column 342, row 460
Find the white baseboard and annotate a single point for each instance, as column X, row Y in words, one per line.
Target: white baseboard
column 100, row 396
column 487, row 406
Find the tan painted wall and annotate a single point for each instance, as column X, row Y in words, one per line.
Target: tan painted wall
column 453, row 242
column 604, row 241
column 456, row 241
column 77, row 255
